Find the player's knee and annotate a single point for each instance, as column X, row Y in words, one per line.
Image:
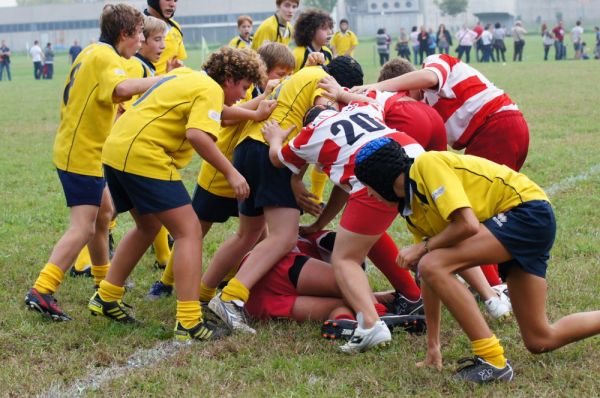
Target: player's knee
column 428, row 268
column 537, row 343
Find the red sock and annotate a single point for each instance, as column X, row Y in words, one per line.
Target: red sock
column 383, row 254
column 345, row 316
column 380, row 308
column 491, row 274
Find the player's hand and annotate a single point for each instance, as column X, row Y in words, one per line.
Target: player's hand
column 306, row 200
column 409, row 256
column 306, row 230
column 433, row 359
column 173, row 63
column 332, row 87
column 271, row 84
column 362, row 89
column 239, row 185
column 315, row 59
column 264, row 110
column 273, row 132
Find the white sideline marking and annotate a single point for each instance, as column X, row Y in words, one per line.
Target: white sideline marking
column 94, row 380
column 571, row 181
column 150, row 356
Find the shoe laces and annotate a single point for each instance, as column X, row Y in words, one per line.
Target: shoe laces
column 468, row 362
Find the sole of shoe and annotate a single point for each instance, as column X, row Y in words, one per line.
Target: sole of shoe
column 338, row 329
column 33, row 306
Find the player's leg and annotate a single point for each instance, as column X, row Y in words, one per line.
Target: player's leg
column 496, row 303
column 162, row 251
column 98, row 244
column 318, row 180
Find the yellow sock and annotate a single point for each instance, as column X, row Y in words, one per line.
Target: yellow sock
column 113, row 224
column 235, row 290
column 189, row 313
column 318, row 180
column 99, row 272
column 161, row 246
column 167, row 277
column 490, row 350
column 110, row 292
column 49, row 279
column 207, row 293
column 83, row 260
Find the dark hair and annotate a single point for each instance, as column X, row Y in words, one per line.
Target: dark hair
column 380, row 31
column 117, row 19
column 414, row 29
column 279, row 2
column 346, row 71
column 236, row 64
column 315, row 111
column 379, row 163
column 343, row 20
column 307, row 24
column 497, row 25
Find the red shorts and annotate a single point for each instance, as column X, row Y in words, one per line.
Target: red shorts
column 503, row 138
column 366, row 215
column 274, row 295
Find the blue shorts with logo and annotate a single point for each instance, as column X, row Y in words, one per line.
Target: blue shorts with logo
column 213, row 208
column 527, row 232
column 81, row 189
column 146, row 195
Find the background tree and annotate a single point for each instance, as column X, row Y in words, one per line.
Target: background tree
column 326, row 5
column 452, row 7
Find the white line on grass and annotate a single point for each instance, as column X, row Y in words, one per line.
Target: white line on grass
column 94, row 380
column 151, row 356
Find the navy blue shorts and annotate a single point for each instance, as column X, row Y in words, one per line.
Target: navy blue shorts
column 269, row 185
column 146, row 195
column 213, row 208
column 527, row 232
column 81, row 189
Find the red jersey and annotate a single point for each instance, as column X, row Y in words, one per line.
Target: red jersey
column 464, row 97
column 332, row 140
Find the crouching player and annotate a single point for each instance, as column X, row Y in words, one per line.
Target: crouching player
column 464, row 211
column 96, row 83
column 147, row 146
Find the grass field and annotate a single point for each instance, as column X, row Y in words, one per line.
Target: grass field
column 95, row 357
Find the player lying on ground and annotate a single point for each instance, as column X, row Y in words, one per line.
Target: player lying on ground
column 464, row 211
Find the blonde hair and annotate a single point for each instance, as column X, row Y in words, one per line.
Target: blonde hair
column 153, row 25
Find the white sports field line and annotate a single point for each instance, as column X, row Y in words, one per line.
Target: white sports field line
column 164, row 350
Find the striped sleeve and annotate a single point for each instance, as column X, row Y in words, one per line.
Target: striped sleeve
column 439, row 65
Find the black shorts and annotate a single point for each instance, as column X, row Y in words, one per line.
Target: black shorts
column 81, row 189
column 269, row 185
column 146, row 195
column 213, row 208
column 527, row 232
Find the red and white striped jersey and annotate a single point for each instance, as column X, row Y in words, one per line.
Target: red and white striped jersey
column 332, row 140
column 464, row 97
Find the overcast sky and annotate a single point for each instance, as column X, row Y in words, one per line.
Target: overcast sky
column 8, row 3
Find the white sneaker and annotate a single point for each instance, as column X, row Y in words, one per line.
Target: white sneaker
column 363, row 339
column 232, row 313
column 501, row 289
column 499, row 307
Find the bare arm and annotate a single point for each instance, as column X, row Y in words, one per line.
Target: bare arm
column 275, row 136
column 417, row 80
column 205, row 146
column 130, row 87
column 335, row 204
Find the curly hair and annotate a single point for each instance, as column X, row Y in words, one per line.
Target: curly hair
column 394, row 68
column 307, row 24
column 237, row 64
column 117, row 19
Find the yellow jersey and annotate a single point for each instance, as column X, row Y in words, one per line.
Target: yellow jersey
column 442, row 182
column 209, row 177
column 87, row 109
column 301, row 56
column 137, row 67
column 342, row 42
column 272, row 31
column 295, row 95
column 239, row 42
column 174, row 47
column 150, row 138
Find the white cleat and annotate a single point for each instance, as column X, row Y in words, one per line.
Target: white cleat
column 232, row 313
column 363, row 339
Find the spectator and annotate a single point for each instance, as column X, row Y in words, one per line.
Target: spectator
column 431, row 42
column 547, row 40
column 402, row 45
column 576, row 38
column 486, row 43
column 48, row 62
column 423, row 44
column 466, row 37
column 559, row 41
column 519, row 38
column 444, row 40
column 479, row 30
column 499, row 46
column 597, row 52
column 5, row 60
column 414, row 40
column 74, row 51
column 37, row 56
column 383, row 45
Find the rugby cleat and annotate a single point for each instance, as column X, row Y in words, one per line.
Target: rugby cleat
column 336, row 329
column 232, row 313
column 478, row 371
column 115, row 310
column 364, row 339
column 203, row 331
column 498, row 307
column 159, row 265
column 413, row 324
column 111, row 245
column 159, row 290
column 86, row 272
column 403, row 306
column 45, row 304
